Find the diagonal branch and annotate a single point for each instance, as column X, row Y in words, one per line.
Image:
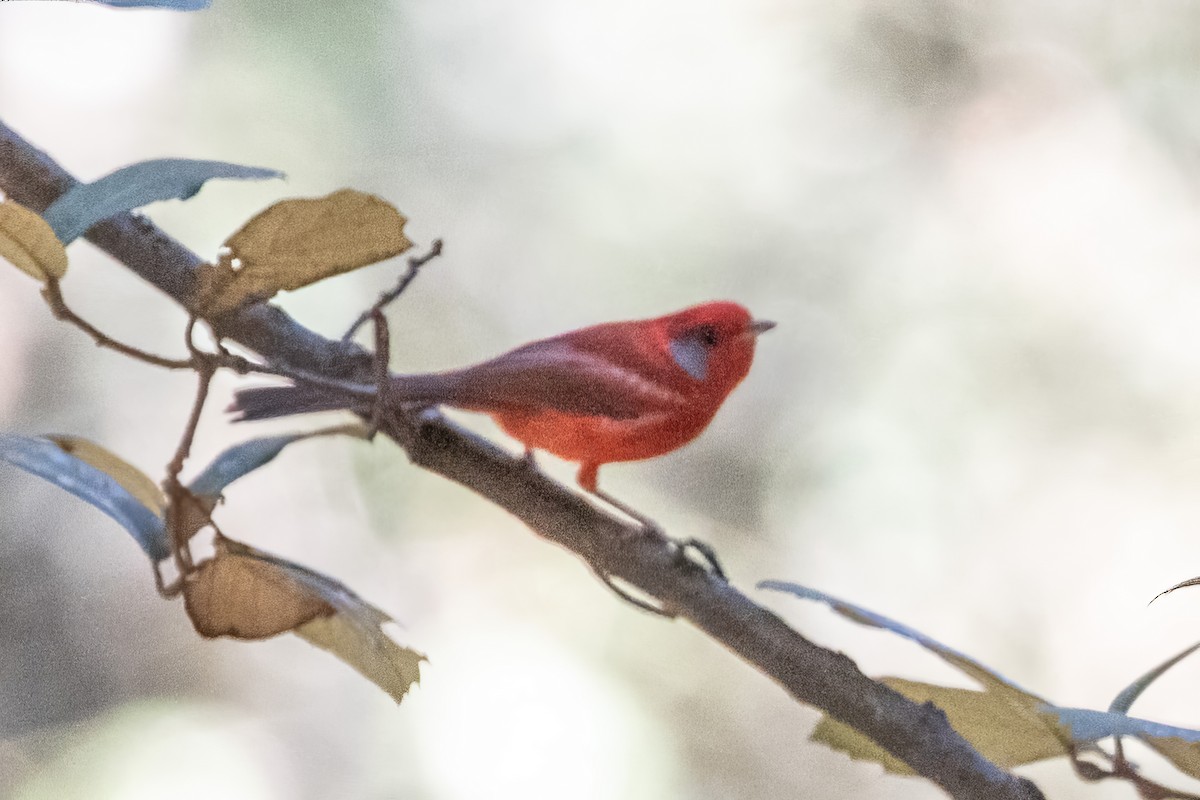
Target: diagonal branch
column 917, row 734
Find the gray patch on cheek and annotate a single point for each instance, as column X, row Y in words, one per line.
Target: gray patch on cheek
column 692, row 356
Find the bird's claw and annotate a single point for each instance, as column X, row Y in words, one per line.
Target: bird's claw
column 708, row 562
column 637, row 602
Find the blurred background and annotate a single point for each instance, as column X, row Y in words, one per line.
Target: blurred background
column 975, row 223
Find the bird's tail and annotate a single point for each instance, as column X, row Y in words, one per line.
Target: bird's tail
column 267, row 402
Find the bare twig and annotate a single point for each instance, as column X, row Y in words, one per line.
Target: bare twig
column 917, row 734
column 52, row 293
column 414, row 266
column 180, row 499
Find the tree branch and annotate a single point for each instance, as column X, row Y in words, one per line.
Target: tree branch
column 918, row 735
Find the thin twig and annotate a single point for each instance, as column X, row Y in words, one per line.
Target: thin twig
column 52, row 293
column 178, row 496
column 414, row 266
column 636, row 602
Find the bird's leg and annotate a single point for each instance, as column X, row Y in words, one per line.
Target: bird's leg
column 648, row 525
column 529, row 461
column 711, row 564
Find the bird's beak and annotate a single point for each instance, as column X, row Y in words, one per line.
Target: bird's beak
column 761, row 326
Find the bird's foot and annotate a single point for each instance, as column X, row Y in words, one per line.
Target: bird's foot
column 708, row 561
column 707, row 557
column 633, row 600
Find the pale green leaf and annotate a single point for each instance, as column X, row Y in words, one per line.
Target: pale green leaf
column 145, row 182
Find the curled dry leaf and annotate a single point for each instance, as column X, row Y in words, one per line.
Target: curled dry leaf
column 29, row 242
column 246, row 596
column 298, row 242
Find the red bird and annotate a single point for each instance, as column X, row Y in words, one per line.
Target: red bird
column 620, row 391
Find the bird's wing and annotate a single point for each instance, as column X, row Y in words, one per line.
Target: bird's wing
column 553, row 374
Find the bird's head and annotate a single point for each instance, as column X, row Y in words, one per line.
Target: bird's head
column 714, row 342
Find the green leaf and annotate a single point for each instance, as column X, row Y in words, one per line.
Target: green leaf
column 47, row 460
column 137, row 185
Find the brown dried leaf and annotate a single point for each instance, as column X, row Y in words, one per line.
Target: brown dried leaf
column 29, row 242
column 297, row 242
column 247, row 597
column 132, row 479
column 248, row 594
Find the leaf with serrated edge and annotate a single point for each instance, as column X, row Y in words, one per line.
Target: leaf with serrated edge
column 47, row 460
column 29, row 243
column 136, row 482
column 370, row 651
column 354, row 632
column 85, row 204
column 298, row 242
column 242, row 459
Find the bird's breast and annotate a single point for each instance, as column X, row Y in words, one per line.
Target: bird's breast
column 603, row 440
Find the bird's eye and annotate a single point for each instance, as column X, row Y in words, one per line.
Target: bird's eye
column 707, row 334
